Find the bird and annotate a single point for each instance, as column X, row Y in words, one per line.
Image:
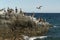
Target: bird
column 39, row 7
column 2, row 9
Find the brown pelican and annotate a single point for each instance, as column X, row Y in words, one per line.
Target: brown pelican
column 2, row 9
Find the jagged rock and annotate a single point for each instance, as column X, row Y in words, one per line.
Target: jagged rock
column 21, row 25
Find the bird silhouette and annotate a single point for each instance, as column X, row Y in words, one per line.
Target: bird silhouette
column 39, row 7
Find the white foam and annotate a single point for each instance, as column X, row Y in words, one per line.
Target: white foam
column 54, row 26
column 41, row 37
column 32, row 38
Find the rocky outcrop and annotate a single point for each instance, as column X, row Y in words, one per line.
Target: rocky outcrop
column 17, row 25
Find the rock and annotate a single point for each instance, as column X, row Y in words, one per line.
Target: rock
column 21, row 25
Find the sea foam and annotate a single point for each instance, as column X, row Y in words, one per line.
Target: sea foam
column 32, row 38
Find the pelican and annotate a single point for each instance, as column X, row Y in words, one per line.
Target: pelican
column 39, row 7
column 2, row 9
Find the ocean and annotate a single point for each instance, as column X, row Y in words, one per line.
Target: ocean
column 54, row 19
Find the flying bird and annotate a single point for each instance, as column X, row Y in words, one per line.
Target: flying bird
column 39, row 7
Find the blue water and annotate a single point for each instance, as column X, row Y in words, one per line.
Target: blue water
column 53, row 18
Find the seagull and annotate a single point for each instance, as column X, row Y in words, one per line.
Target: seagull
column 39, row 7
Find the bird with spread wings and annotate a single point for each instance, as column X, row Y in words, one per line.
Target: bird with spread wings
column 39, row 7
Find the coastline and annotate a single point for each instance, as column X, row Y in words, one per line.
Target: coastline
column 19, row 25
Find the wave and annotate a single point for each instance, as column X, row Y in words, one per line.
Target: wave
column 33, row 38
column 54, row 26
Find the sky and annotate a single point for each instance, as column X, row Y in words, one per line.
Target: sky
column 48, row 6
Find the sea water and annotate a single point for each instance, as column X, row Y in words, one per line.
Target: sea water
column 54, row 19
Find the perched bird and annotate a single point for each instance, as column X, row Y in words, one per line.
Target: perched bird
column 2, row 9
column 39, row 7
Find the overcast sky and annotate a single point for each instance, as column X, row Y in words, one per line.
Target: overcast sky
column 49, row 6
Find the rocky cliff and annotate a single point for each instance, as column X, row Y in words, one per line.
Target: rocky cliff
column 15, row 25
